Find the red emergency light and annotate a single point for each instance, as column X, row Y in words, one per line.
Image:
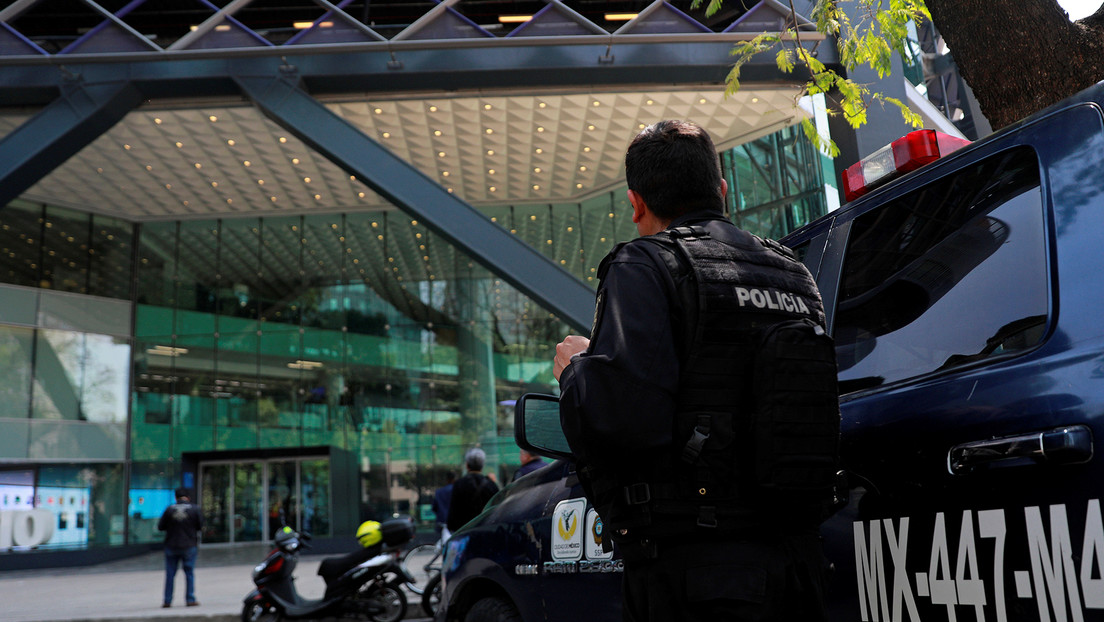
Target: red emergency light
column 905, row 154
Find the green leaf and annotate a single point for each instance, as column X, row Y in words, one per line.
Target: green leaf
column 784, row 60
column 910, row 116
column 826, row 146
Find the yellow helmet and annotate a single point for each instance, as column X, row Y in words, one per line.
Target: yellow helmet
column 368, row 533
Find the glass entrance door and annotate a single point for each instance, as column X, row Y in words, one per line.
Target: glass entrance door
column 282, row 501
column 247, row 501
column 216, row 499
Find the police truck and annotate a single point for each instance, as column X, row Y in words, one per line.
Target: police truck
column 963, row 287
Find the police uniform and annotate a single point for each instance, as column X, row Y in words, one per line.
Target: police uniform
column 620, row 401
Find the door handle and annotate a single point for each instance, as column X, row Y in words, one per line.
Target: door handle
column 1065, row 445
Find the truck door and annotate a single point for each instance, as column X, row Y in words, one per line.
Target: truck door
column 971, row 394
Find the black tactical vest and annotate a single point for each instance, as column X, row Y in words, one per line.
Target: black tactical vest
column 758, row 413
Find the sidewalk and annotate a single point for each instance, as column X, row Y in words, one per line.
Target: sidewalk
column 130, row 590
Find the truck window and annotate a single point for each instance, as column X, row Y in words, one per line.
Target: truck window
column 950, row 274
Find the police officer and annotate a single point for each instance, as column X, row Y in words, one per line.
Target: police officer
column 632, row 398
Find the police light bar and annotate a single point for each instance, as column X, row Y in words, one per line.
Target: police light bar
column 905, row 154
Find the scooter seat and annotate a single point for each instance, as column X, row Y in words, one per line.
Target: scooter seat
column 333, row 567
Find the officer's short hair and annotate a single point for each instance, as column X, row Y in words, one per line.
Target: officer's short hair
column 674, row 167
column 475, row 458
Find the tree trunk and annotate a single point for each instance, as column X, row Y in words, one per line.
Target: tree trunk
column 1020, row 56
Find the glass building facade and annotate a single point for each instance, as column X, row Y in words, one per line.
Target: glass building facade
column 311, row 370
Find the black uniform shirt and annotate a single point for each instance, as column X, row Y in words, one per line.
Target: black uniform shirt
column 618, row 398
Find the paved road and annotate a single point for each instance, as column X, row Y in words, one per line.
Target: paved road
column 130, row 590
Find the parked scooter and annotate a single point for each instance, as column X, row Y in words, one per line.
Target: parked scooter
column 365, row 584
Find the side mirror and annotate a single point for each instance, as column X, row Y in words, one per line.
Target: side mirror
column 537, row 426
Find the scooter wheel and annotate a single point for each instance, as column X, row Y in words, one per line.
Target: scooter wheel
column 386, row 602
column 259, row 612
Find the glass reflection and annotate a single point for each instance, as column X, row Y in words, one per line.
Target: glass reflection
column 16, row 347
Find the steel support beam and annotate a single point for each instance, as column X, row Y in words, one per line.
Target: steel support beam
column 538, row 277
column 64, row 127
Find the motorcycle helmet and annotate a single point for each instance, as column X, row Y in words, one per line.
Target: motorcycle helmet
column 369, row 533
column 286, row 539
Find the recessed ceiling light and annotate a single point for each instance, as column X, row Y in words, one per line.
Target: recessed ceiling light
column 230, row 142
column 213, row 118
column 283, row 139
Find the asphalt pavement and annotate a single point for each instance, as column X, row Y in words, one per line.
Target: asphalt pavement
column 129, row 590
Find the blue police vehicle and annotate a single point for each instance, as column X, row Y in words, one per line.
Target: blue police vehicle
column 964, row 287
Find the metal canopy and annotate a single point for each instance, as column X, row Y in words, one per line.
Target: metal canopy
column 449, row 129
column 407, row 188
column 63, row 128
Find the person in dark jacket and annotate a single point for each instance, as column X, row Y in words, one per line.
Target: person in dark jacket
column 442, row 498
column 181, row 523
column 624, row 394
column 529, row 463
column 471, row 492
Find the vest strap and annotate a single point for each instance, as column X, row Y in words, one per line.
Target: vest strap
column 638, row 494
column 707, row 516
column 697, row 440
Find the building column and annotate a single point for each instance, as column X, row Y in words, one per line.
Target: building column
column 475, row 361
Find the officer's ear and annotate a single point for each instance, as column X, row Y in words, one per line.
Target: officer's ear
column 724, row 187
column 638, row 205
